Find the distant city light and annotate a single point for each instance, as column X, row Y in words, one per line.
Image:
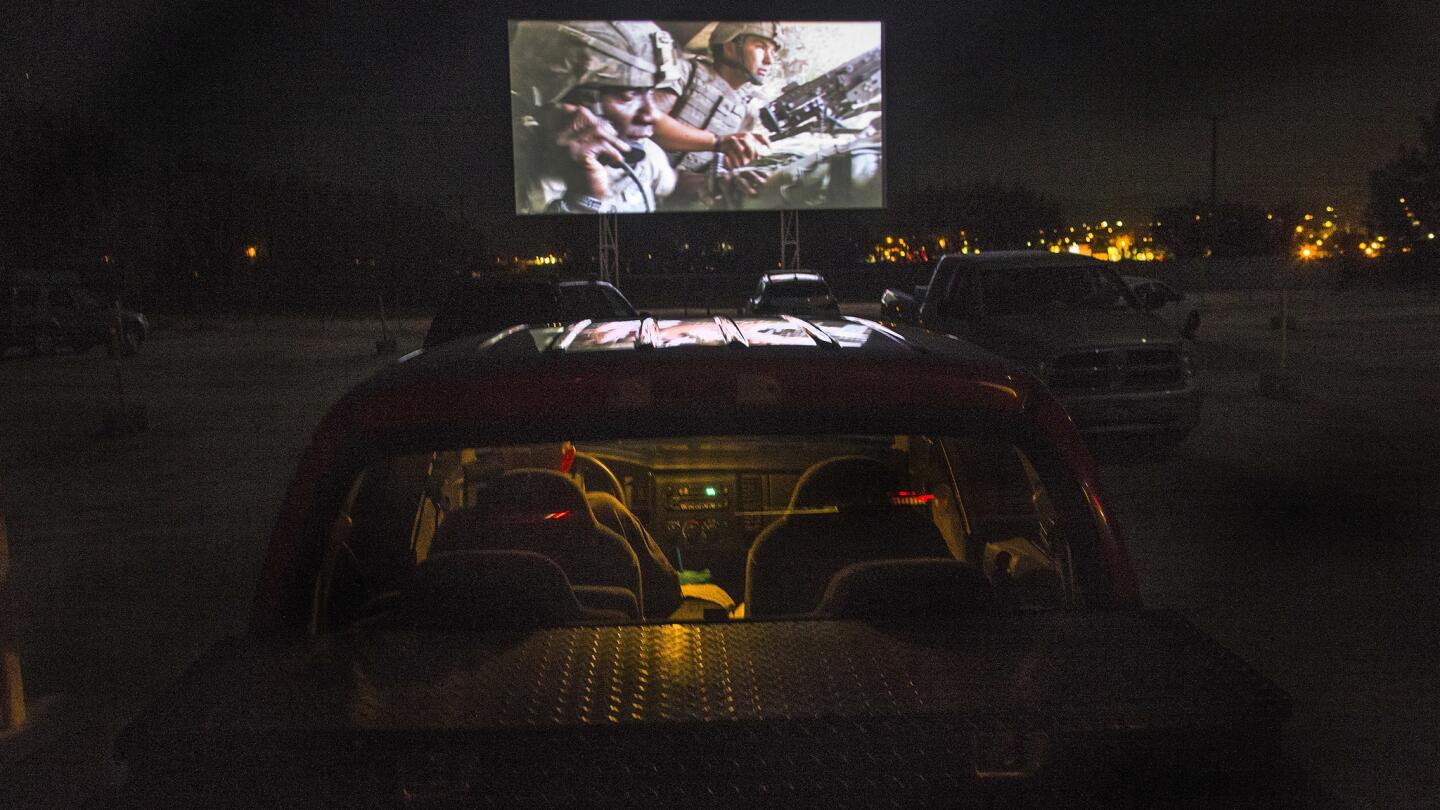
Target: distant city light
column 250, row 252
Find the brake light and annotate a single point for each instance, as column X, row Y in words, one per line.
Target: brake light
column 561, row 515
column 907, row 498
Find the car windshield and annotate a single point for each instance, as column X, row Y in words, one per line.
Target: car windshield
column 804, row 288
column 699, row 529
column 1017, row 291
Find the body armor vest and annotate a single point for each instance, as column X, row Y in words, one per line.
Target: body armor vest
column 708, row 102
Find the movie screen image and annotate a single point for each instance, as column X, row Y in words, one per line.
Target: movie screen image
column 642, row 116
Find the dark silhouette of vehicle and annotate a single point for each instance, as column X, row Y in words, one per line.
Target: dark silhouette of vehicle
column 901, row 586
column 804, row 295
column 1070, row 320
column 480, row 305
column 41, row 317
column 1167, row 303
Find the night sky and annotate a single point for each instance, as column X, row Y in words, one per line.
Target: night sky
column 1104, row 105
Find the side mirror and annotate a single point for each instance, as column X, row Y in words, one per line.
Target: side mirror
column 898, row 306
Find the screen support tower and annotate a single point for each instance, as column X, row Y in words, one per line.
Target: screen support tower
column 609, row 249
column 789, row 240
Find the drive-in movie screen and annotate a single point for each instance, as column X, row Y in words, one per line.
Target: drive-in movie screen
column 642, row 116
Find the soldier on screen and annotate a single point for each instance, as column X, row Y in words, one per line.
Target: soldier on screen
column 584, row 107
column 712, row 129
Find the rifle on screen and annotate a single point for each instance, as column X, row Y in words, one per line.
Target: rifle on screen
column 822, row 102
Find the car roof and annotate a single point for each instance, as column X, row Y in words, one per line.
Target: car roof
column 1003, row 259
column 504, row 278
column 694, row 334
column 694, row 373
column 794, row 276
column 897, row 362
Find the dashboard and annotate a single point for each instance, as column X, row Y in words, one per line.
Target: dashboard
column 705, row 500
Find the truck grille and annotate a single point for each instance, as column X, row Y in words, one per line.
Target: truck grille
column 1117, row 371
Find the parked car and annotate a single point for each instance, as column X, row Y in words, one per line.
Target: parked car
column 1070, row 320
column 480, row 305
column 43, row 317
column 804, row 295
column 1167, row 303
column 901, row 586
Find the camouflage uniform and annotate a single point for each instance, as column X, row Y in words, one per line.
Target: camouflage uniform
column 555, row 63
column 707, row 101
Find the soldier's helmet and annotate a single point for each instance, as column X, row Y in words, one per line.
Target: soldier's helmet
column 730, row 31
column 550, row 59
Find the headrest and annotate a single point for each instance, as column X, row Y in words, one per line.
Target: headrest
column 517, row 501
column 532, row 491
column 914, row 589
column 489, row 590
column 845, row 481
column 609, row 511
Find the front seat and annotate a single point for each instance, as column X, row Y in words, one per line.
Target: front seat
column 658, row 577
column 842, row 512
column 544, row 511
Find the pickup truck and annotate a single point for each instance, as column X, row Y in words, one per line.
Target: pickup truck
column 901, row 584
column 1069, row 319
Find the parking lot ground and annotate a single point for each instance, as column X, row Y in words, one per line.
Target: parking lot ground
column 1301, row 530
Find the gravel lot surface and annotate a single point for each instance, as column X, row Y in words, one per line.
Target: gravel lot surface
column 1301, row 529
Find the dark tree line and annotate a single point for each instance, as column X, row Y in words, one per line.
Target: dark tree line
column 1405, row 193
column 1225, row 229
column 199, row 232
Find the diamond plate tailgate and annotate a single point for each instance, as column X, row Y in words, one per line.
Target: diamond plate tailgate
column 747, row 712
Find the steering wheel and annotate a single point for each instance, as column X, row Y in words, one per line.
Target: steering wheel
column 591, row 468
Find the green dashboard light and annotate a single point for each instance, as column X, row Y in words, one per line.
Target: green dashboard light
column 709, row 492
